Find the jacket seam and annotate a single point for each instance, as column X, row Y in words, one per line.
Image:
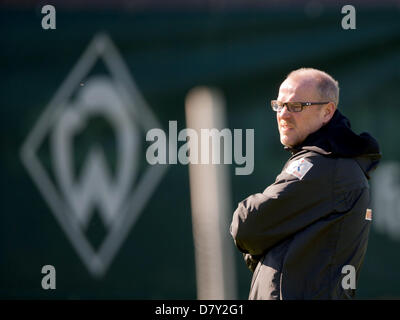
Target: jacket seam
column 282, row 265
column 334, row 173
column 256, row 274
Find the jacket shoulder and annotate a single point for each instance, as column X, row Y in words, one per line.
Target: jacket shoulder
column 309, row 165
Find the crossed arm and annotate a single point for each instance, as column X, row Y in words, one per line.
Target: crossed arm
column 284, row 208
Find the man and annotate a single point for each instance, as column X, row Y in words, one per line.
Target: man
column 312, row 222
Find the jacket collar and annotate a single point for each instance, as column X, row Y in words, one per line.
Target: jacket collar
column 337, row 139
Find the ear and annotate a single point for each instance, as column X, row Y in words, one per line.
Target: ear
column 328, row 112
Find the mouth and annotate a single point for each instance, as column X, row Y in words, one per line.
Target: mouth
column 285, row 127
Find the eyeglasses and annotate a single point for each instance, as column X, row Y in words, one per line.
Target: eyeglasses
column 292, row 106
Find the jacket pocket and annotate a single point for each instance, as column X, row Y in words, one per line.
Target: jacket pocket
column 267, row 278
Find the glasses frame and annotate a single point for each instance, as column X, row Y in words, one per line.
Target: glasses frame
column 290, row 107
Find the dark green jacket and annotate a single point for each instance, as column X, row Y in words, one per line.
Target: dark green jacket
column 299, row 233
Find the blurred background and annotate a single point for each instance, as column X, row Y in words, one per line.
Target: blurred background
column 135, row 62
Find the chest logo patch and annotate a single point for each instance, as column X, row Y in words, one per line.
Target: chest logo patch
column 299, row 168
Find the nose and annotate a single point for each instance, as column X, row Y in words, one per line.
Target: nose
column 284, row 113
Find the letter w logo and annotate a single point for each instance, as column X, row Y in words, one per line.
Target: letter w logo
column 51, row 148
column 96, row 187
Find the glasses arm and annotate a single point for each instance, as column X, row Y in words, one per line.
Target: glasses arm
column 311, row 103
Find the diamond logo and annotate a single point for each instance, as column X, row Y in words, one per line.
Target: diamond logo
column 118, row 196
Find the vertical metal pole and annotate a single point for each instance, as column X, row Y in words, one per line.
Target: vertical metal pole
column 210, row 201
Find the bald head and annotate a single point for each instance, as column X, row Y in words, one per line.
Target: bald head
column 306, row 85
column 324, row 85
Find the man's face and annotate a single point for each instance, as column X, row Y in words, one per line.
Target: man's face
column 294, row 127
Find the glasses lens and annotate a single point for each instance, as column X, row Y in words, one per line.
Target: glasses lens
column 276, row 106
column 294, row 107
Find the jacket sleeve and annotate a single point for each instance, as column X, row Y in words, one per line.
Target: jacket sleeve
column 290, row 204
